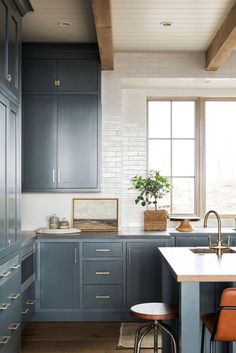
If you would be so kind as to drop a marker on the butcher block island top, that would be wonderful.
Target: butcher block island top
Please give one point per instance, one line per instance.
(187, 266)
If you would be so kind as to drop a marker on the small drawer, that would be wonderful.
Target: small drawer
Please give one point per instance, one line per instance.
(102, 272)
(10, 333)
(9, 269)
(9, 296)
(28, 302)
(102, 297)
(103, 249)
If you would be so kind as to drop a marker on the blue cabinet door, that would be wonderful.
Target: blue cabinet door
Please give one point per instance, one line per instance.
(3, 35)
(3, 120)
(59, 275)
(39, 142)
(143, 272)
(77, 142)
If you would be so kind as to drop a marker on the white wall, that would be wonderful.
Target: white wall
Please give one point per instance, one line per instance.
(124, 100)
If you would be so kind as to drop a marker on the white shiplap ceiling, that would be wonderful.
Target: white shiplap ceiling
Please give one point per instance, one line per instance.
(136, 24)
(42, 24)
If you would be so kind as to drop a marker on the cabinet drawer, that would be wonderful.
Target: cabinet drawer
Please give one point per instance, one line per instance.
(9, 269)
(102, 297)
(10, 333)
(28, 302)
(102, 272)
(9, 297)
(104, 249)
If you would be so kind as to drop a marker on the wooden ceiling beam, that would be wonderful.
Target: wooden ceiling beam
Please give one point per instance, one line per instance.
(103, 24)
(223, 43)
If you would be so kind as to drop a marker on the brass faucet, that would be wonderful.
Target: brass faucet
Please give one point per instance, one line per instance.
(219, 246)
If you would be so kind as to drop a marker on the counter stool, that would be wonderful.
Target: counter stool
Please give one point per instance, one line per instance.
(222, 324)
(156, 312)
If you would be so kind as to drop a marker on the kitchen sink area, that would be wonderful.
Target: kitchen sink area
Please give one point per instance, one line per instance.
(202, 251)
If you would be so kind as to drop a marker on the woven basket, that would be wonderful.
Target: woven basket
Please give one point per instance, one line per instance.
(155, 220)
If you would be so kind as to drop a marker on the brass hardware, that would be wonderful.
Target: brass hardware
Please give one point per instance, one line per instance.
(103, 297)
(5, 274)
(57, 83)
(76, 256)
(9, 78)
(15, 267)
(53, 176)
(4, 306)
(102, 273)
(31, 301)
(103, 250)
(59, 175)
(219, 246)
(129, 255)
(5, 339)
(14, 296)
(14, 326)
(25, 311)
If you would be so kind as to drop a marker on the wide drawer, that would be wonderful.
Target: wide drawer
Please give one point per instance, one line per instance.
(9, 297)
(103, 249)
(28, 302)
(102, 297)
(102, 272)
(9, 269)
(10, 333)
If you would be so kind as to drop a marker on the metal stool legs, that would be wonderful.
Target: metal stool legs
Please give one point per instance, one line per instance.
(143, 331)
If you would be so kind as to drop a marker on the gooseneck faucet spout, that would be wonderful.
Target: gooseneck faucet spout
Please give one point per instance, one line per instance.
(219, 246)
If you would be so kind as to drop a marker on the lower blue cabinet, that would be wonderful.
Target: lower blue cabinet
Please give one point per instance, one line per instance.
(28, 301)
(103, 296)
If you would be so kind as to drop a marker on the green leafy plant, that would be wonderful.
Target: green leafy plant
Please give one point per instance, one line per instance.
(151, 188)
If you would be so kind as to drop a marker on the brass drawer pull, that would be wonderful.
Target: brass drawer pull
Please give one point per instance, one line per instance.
(5, 339)
(14, 296)
(15, 267)
(31, 301)
(5, 274)
(25, 311)
(9, 78)
(14, 326)
(103, 250)
(103, 297)
(102, 273)
(4, 306)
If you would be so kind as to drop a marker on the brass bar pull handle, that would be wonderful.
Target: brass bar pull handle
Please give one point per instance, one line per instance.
(129, 255)
(31, 301)
(5, 274)
(4, 306)
(15, 267)
(25, 311)
(53, 176)
(59, 175)
(14, 296)
(5, 339)
(76, 256)
(103, 297)
(103, 273)
(103, 250)
(14, 326)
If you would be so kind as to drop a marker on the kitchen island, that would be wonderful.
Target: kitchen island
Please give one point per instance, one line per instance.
(189, 270)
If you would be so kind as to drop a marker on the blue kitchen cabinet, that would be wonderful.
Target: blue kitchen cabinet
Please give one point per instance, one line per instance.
(191, 240)
(3, 121)
(143, 272)
(58, 265)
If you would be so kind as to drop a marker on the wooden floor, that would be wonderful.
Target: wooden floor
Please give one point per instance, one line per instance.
(71, 337)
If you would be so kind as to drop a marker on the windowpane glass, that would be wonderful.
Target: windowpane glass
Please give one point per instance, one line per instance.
(159, 156)
(220, 156)
(183, 158)
(159, 119)
(183, 196)
(183, 119)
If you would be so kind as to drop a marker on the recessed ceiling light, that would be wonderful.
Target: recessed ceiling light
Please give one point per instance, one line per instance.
(166, 24)
(64, 24)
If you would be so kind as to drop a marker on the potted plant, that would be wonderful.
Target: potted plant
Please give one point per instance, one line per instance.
(151, 190)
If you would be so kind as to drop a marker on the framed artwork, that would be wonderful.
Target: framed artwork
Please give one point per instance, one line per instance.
(95, 214)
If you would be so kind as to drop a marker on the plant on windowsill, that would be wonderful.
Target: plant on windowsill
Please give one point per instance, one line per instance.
(152, 188)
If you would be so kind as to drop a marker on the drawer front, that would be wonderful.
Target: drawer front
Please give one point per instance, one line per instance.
(9, 269)
(104, 249)
(103, 297)
(102, 272)
(28, 302)
(9, 297)
(10, 330)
